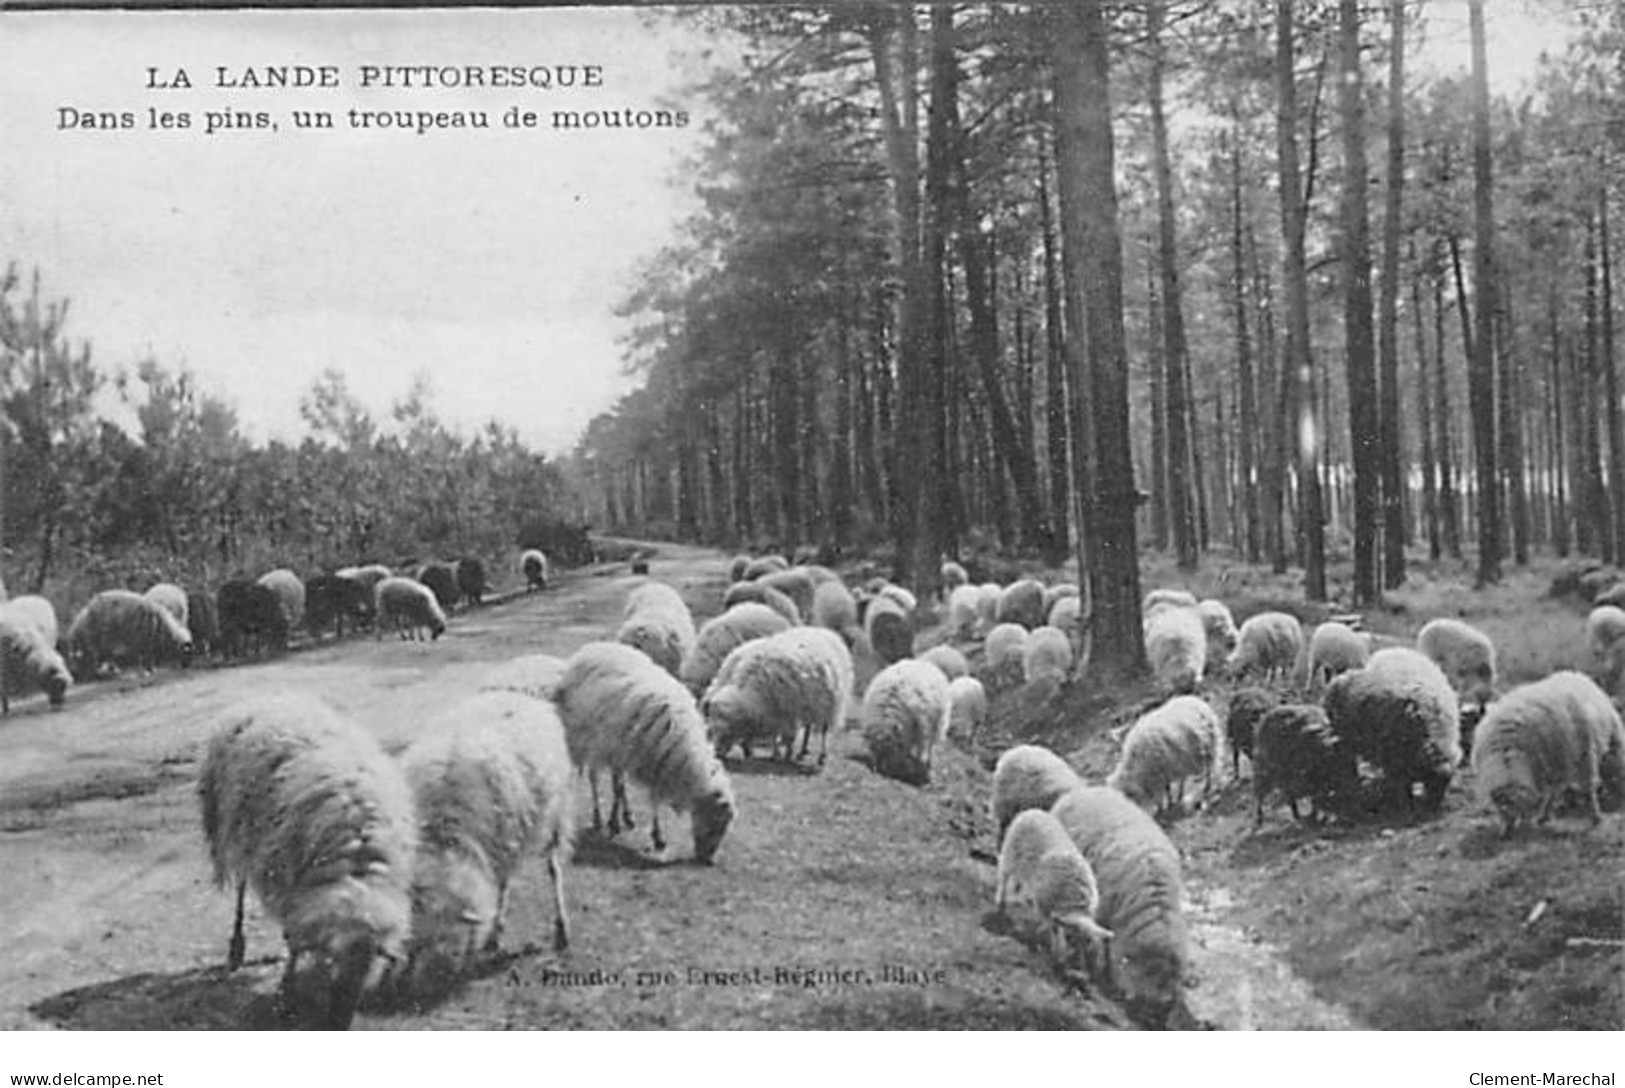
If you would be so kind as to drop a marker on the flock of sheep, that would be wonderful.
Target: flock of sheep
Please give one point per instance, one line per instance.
(169, 625)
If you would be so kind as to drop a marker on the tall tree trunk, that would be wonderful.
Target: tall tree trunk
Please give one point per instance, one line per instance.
(1246, 393)
(1616, 426)
(1093, 253)
(1161, 501)
(1424, 404)
(1559, 455)
(1055, 399)
(1511, 450)
(1390, 447)
(1596, 518)
(1482, 387)
(1177, 423)
(1449, 510)
(1298, 361)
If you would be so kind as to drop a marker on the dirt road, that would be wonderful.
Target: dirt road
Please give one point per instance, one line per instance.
(840, 899)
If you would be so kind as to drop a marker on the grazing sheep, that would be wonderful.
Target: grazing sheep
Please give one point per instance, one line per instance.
(1605, 637)
(967, 706)
(1464, 654)
(624, 714)
(889, 629)
(1162, 598)
(952, 575)
(1542, 739)
(796, 584)
(1220, 628)
(1175, 741)
(28, 663)
(441, 578)
(901, 597)
(736, 569)
(796, 681)
(369, 576)
(988, 596)
(1334, 649)
(1268, 646)
(763, 564)
(1399, 714)
(171, 597)
(202, 622)
(904, 716)
(834, 607)
(1002, 653)
(536, 675)
(330, 599)
(1048, 652)
(1247, 708)
(962, 610)
(1022, 602)
(721, 635)
(120, 627)
(471, 581)
(657, 622)
(1067, 614)
(31, 610)
(533, 565)
(290, 594)
(251, 618)
(1175, 647)
(1298, 755)
(818, 573)
(949, 660)
(756, 593)
(406, 605)
(1060, 591)
(1042, 870)
(491, 779)
(304, 805)
(1028, 777)
(1137, 871)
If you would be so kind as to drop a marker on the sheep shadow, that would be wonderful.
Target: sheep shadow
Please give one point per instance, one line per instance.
(427, 992)
(767, 767)
(596, 850)
(200, 999)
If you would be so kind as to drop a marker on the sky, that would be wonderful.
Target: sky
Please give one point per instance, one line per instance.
(492, 260)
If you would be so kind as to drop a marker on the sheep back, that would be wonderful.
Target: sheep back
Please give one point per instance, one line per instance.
(28, 663)
(949, 660)
(1175, 647)
(290, 593)
(1400, 714)
(721, 635)
(889, 629)
(657, 621)
(1177, 740)
(331, 599)
(471, 581)
(904, 716)
(32, 610)
(777, 686)
(1022, 602)
(796, 584)
(1334, 649)
(1297, 755)
(763, 565)
(1605, 638)
(407, 605)
(1464, 654)
(251, 617)
(1268, 646)
(1219, 626)
(967, 706)
(834, 607)
(1002, 653)
(756, 593)
(441, 578)
(1247, 708)
(1028, 777)
(1048, 652)
(170, 597)
(1043, 873)
(120, 627)
(533, 565)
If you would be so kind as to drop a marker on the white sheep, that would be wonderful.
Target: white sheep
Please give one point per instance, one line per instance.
(736, 569)
(624, 714)
(1042, 872)
(1160, 598)
(796, 681)
(290, 594)
(796, 584)
(1176, 741)
(534, 566)
(1028, 777)
(988, 596)
(33, 611)
(967, 706)
(1022, 602)
(834, 607)
(118, 626)
(1268, 645)
(1002, 654)
(1541, 739)
(1334, 649)
(962, 610)
(1047, 653)
(756, 593)
(491, 778)
(1464, 654)
(1058, 592)
(535, 675)
(172, 597)
(1605, 638)
(1137, 872)
(1220, 628)
(901, 597)
(818, 573)
(305, 806)
(657, 621)
(28, 663)
(1400, 715)
(720, 635)
(1175, 646)
(949, 660)
(905, 716)
(367, 576)
(1067, 614)
(764, 564)
(952, 575)
(889, 629)
(406, 605)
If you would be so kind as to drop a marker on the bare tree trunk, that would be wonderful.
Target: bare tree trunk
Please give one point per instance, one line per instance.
(1390, 447)
(1616, 426)
(1055, 398)
(1161, 501)
(1424, 403)
(1482, 387)
(1246, 392)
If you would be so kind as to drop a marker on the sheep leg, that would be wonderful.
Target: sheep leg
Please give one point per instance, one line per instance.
(494, 941)
(561, 922)
(597, 818)
(239, 944)
(655, 836)
(823, 744)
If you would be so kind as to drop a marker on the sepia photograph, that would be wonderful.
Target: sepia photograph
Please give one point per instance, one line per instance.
(856, 516)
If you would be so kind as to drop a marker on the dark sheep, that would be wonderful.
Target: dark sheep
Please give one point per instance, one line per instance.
(471, 580)
(251, 618)
(441, 578)
(1247, 708)
(330, 599)
(1298, 755)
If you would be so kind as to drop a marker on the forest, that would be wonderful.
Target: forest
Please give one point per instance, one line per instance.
(1084, 279)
